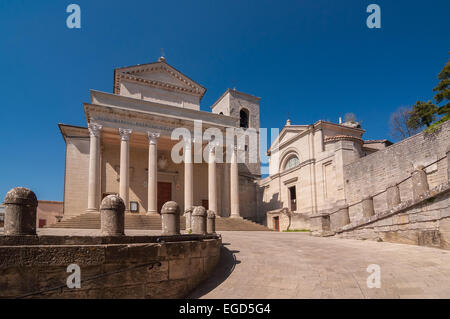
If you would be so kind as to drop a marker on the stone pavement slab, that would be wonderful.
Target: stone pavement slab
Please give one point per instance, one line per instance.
(296, 265)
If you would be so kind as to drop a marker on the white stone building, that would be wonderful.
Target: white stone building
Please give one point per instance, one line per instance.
(307, 171)
(126, 147)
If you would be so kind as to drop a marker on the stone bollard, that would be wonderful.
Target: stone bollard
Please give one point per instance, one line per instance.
(20, 212)
(170, 219)
(340, 218)
(419, 182)
(211, 222)
(392, 196)
(199, 221)
(367, 206)
(112, 216)
(320, 224)
(188, 217)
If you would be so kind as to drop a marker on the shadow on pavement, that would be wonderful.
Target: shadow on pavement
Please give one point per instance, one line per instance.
(223, 270)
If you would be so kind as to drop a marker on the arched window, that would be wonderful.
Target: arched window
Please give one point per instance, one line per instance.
(292, 162)
(243, 114)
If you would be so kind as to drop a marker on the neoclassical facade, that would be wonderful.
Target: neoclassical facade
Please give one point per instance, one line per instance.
(307, 171)
(126, 147)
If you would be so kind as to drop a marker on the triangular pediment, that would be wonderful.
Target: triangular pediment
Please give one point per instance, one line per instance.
(157, 74)
(286, 134)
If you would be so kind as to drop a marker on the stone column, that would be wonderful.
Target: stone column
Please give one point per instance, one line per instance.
(392, 196)
(234, 185)
(419, 182)
(212, 178)
(20, 212)
(152, 174)
(188, 176)
(125, 167)
(94, 167)
(367, 206)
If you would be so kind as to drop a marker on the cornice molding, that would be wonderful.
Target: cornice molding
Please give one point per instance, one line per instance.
(343, 138)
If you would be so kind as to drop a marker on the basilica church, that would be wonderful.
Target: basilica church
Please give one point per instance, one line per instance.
(125, 149)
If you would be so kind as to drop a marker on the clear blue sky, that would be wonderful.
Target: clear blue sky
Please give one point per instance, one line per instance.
(312, 59)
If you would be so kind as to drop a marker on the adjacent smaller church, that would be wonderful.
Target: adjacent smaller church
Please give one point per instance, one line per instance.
(307, 170)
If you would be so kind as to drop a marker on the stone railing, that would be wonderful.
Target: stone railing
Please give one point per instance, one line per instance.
(111, 265)
(340, 219)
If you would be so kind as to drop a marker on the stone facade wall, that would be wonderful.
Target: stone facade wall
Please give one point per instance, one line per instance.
(76, 178)
(288, 220)
(319, 178)
(121, 270)
(47, 211)
(373, 174)
(157, 95)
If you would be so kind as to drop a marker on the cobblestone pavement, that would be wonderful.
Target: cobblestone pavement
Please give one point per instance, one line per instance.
(296, 265)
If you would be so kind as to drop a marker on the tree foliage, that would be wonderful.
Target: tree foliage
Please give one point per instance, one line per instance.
(425, 113)
(443, 90)
(422, 114)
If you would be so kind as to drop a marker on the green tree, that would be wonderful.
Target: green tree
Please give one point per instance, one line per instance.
(423, 113)
(443, 90)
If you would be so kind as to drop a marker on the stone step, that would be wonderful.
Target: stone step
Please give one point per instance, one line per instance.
(144, 222)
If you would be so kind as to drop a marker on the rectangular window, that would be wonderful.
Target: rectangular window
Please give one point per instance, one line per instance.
(293, 198)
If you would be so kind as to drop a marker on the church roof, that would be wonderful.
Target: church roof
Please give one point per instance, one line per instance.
(179, 81)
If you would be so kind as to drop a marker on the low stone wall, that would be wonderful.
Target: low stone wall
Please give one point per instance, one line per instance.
(424, 220)
(287, 220)
(111, 267)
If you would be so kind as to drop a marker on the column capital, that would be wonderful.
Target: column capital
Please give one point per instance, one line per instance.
(125, 134)
(153, 137)
(94, 129)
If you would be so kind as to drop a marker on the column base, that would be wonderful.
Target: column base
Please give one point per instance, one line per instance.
(236, 217)
(92, 210)
(154, 213)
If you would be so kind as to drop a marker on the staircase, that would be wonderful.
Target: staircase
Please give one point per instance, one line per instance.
(144, 222)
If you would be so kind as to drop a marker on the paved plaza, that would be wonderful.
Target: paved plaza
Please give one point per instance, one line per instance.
(297, 265)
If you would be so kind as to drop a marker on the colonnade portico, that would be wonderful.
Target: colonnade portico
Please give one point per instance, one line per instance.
(124, 177)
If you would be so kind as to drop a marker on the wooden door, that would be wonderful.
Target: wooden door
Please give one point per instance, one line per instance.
(276, 223)
(164, 194)
(42, 223)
